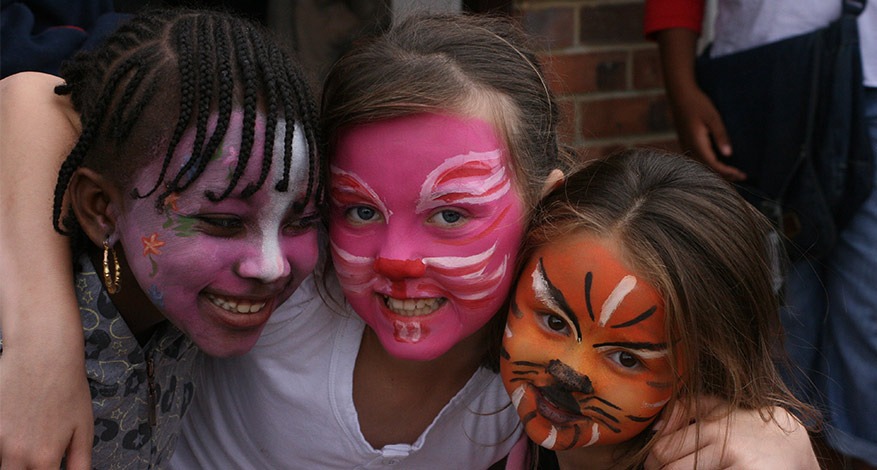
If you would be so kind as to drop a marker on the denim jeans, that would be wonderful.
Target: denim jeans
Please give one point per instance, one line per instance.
(831, 326)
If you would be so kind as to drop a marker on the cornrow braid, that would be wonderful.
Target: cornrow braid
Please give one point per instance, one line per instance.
(164, 73)
(271, 124)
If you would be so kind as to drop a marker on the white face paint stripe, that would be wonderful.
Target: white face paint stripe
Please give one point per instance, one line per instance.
(659, 404)
(271, 263)
(595, 435)
(430, 194)
(298, 172)
(408, 331)
(517, 395)
(540, 288)
(551, 440)
(381, 207)
(454, 262)
(508, 332)
(616, 297)
(349, 257)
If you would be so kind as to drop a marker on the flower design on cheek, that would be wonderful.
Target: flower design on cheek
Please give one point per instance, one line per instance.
(181, 225)
(171, 202)
(151, 245)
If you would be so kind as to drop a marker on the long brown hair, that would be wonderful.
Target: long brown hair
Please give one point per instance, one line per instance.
(709, 254)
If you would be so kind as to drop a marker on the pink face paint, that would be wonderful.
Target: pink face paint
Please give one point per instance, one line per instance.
(217, 270)
(424, 227)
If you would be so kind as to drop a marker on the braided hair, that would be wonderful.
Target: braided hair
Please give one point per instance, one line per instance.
(167, 71)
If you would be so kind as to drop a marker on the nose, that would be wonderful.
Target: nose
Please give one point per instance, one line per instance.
(398, 269)
(569, 378)
(265, 263)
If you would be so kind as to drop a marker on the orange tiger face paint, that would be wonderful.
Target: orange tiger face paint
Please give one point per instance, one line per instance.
(585, 353)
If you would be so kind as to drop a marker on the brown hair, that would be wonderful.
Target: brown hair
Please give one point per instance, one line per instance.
(707, 252)
(462, 64)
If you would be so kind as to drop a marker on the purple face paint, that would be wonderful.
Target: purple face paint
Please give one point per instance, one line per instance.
(217, 270)
(425, 224)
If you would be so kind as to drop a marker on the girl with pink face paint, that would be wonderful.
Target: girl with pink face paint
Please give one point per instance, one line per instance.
(192, 202)
(603, 333)
(442, 135)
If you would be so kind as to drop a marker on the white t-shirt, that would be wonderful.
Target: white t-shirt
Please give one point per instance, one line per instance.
(289, 404)
(743, 24)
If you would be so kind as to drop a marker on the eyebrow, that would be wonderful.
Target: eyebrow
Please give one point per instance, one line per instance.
(553, 298)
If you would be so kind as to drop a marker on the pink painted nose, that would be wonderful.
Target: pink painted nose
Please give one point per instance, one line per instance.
(396, 269)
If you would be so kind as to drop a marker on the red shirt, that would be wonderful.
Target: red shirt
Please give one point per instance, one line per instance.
(666, 14)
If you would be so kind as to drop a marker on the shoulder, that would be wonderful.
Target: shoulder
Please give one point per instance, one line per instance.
(29, 107)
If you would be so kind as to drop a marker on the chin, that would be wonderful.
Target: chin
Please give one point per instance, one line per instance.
(424, 350)
(231, 346)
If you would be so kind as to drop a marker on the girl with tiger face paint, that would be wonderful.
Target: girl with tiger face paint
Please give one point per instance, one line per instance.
(587, 358)
(645, 284)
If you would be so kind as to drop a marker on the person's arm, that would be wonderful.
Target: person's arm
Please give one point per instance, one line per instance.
(697, 121)
(739, 439)
(45, 404)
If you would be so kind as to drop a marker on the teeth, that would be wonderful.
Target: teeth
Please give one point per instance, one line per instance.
(236, 306)
(413, 307)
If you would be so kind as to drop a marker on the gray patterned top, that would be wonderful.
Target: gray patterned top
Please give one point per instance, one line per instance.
(120, 375)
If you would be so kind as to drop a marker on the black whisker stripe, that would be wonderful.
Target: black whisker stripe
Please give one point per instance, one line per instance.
(642, 419)
(576, 433)
(516, 311)
(601, 400)
(659, 385)
(528, 417)
(589, 282)
(558, 297)
(503, 353)
(603, 413)
(608, 425)
(638, 319)
(524, 372)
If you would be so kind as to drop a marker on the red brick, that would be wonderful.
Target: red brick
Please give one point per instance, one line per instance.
(611, 24)
(586, 72)
(553, 27)
(647, 70)
(625, 116)
(566, 130)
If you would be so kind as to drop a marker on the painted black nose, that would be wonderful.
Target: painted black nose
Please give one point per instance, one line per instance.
(571, 380)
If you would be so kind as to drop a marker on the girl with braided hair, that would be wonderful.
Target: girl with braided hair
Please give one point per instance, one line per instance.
(442, 136)
(191, 185)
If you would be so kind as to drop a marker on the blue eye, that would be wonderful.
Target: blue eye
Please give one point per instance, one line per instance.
(447, 217)
(362, 214)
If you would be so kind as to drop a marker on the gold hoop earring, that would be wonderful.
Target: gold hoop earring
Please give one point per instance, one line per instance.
(112, 282)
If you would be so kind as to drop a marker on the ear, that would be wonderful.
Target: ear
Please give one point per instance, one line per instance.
(555, 178)
(96, 202)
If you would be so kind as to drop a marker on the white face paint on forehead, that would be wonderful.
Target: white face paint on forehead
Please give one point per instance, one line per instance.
(218, 269)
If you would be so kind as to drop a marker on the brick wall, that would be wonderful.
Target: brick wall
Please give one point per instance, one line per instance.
(605, 75)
